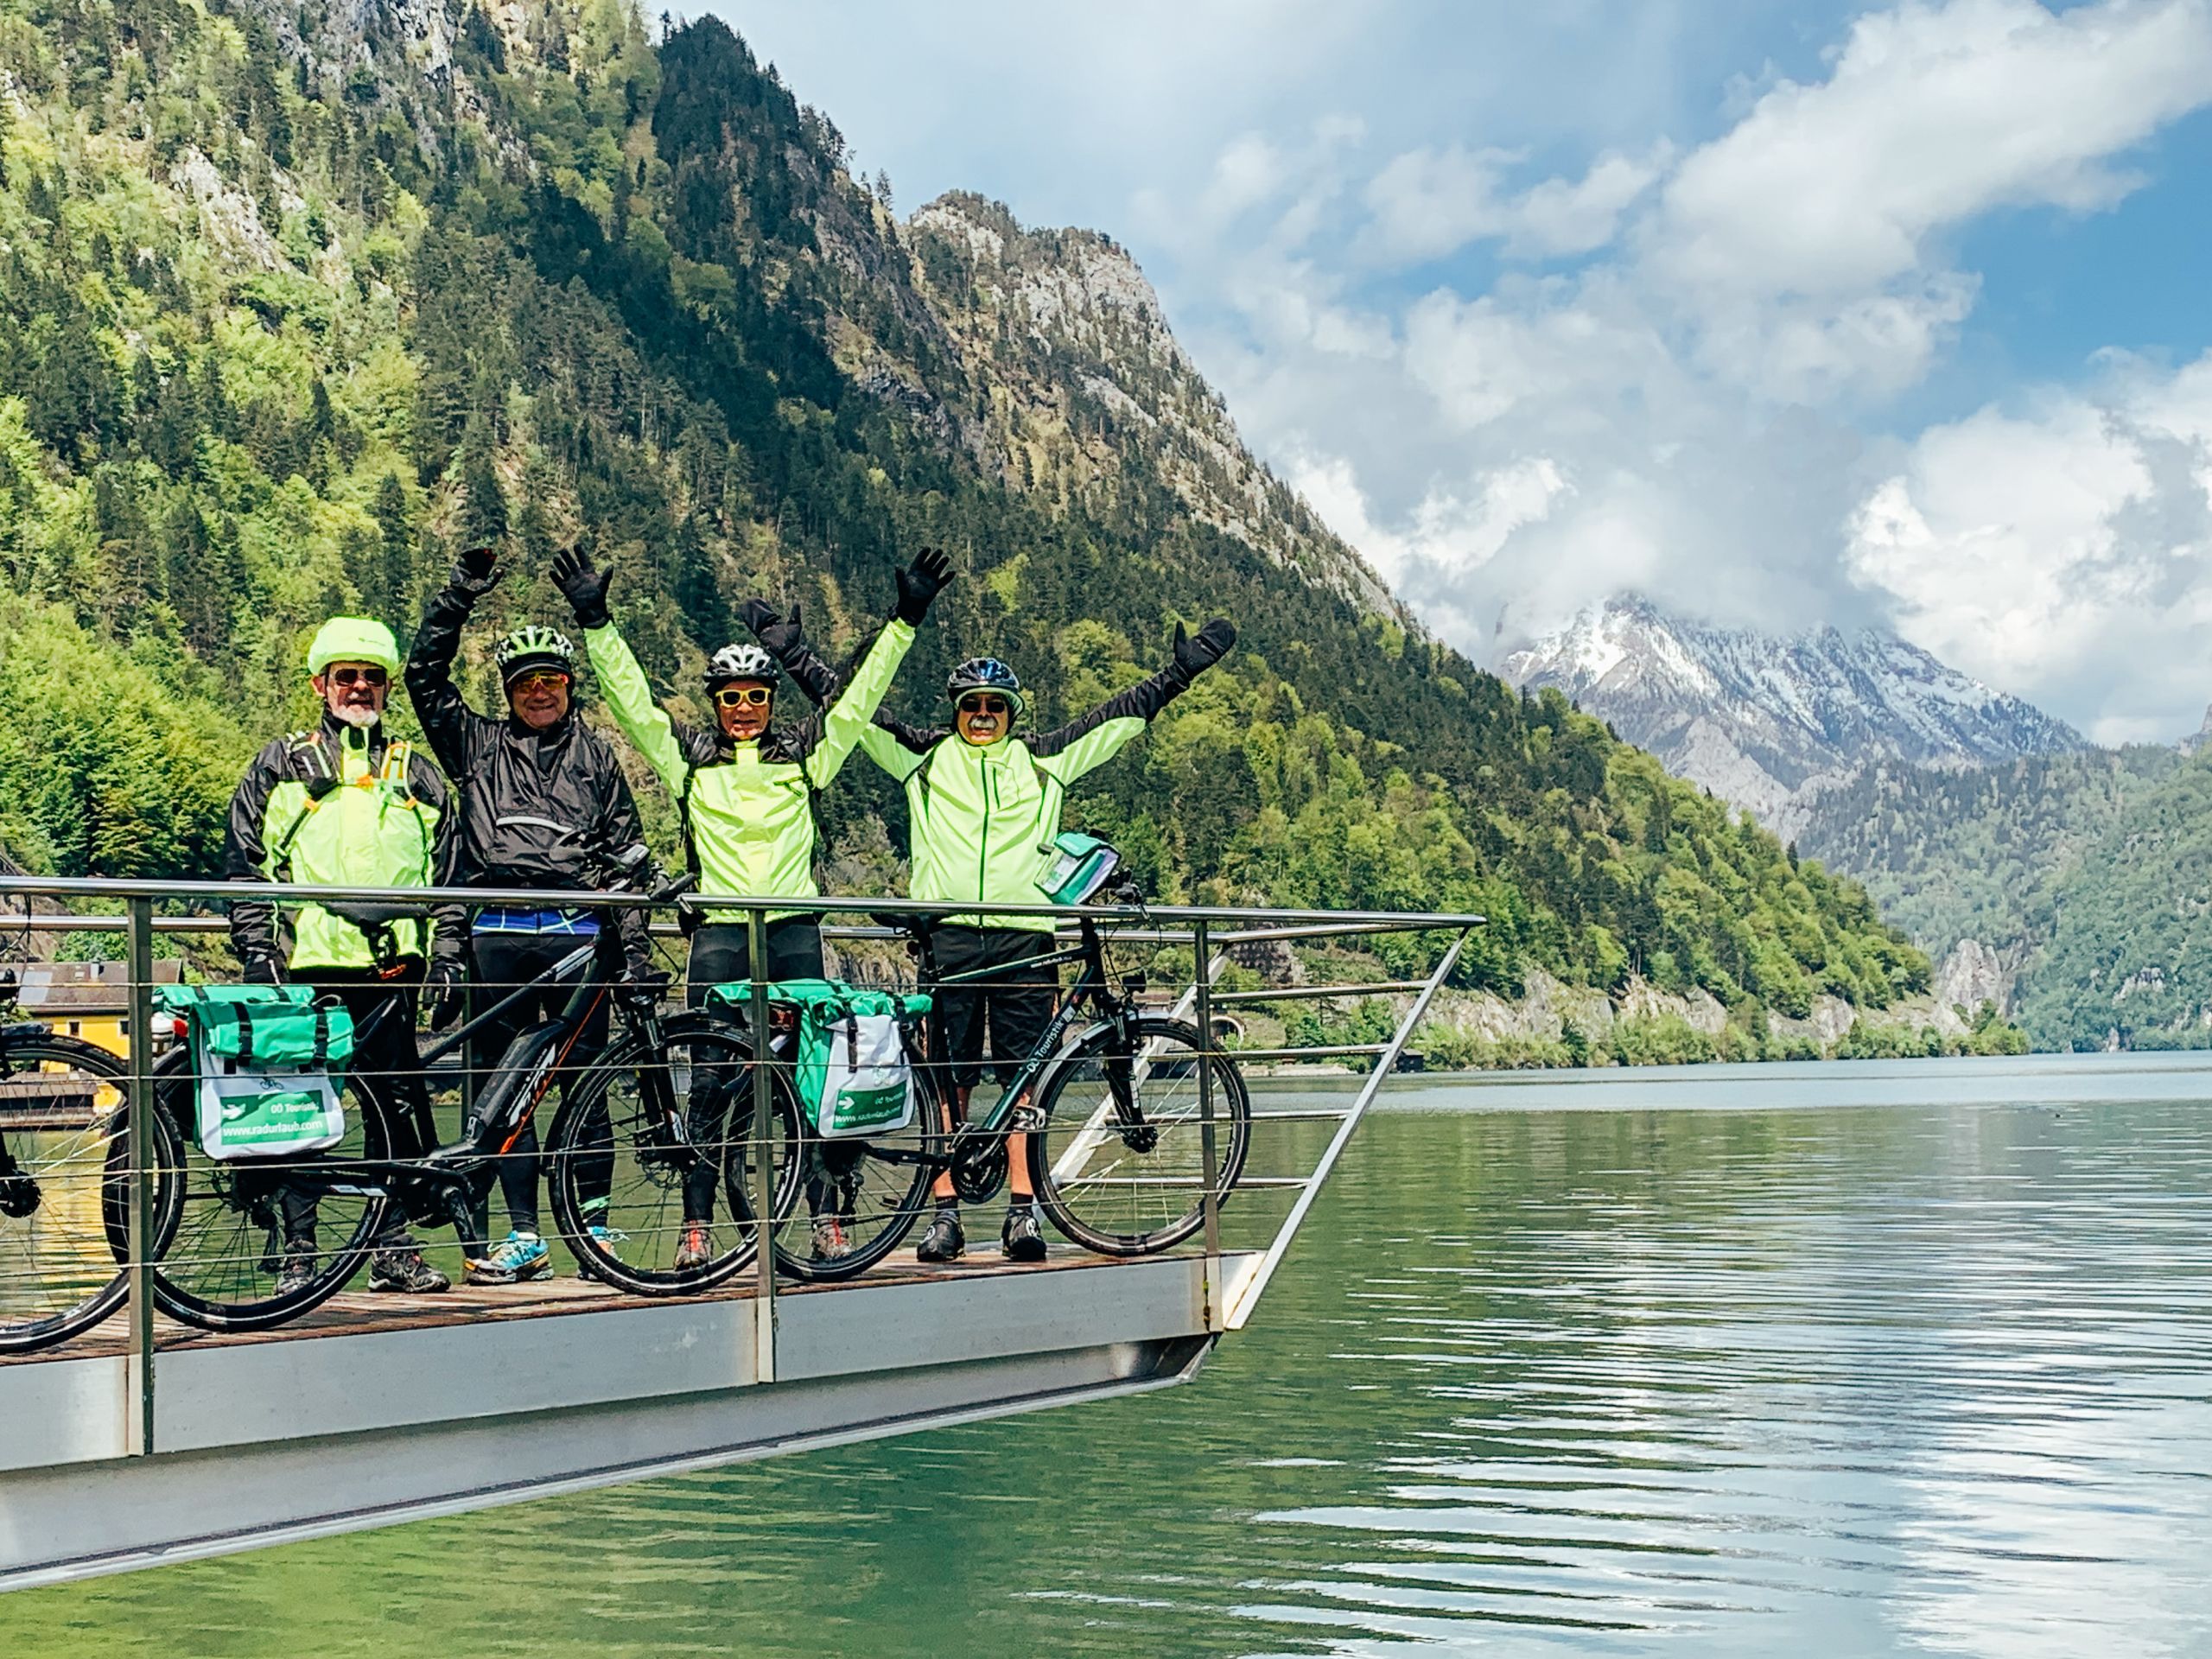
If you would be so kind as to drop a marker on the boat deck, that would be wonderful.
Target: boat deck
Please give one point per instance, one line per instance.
(379, 1408)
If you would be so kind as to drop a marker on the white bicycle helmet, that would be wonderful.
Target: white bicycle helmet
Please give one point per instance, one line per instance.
(533, 647)
(740, 663)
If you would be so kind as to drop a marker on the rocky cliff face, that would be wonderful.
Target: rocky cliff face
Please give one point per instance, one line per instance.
(1757, 718)
(1086, 393)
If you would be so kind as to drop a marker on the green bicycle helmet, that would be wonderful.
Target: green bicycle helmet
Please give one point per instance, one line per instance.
(530, 647)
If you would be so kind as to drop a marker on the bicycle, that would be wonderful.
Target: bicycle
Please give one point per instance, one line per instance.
(621, 1149)
(1111, 1109)
(64, 1227)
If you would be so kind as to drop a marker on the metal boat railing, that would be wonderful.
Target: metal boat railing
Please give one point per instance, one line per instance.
(143, 912)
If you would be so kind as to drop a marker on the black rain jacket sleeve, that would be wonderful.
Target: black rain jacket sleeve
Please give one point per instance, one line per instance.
(1142, 700)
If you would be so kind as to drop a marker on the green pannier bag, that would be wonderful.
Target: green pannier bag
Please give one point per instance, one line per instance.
(270, 1058)
(856, 1048)
(1081, 865)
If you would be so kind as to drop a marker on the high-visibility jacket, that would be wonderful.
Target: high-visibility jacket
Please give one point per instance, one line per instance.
(748, 808)
(983, 816)
(336, 806)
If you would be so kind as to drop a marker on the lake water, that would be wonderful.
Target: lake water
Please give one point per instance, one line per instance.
(1818, 1361)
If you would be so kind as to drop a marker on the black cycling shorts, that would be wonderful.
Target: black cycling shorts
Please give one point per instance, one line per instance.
(1011, 1005)
(721, 953)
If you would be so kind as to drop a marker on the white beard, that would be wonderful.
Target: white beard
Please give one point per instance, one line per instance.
(359, 718)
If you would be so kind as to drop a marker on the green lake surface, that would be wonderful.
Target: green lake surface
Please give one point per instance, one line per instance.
(1782, 1360)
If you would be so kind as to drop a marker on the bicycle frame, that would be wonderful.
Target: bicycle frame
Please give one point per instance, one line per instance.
(1091, 986)
(527, 1069)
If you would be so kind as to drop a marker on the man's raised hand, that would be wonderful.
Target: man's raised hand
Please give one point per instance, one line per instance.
(1194, 656)
(779, 635)
(584, 588)
(920, 582)
(475, 570)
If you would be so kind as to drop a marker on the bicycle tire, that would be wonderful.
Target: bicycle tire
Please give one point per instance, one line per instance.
(603, 1107)
(201, 1267)
(53, 1160)
(1098, 1197)
(900, 1200)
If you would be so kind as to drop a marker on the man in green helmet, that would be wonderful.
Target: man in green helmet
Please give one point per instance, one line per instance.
(984, 806)
(746, 787)
(346, 804)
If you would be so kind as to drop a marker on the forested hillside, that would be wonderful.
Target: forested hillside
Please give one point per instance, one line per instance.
(1954, 853)
(302, 300)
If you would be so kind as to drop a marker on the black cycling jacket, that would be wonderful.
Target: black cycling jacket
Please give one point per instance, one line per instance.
(537, 808)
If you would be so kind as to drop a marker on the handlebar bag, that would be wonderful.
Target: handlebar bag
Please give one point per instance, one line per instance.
(1081, 865)
(270, 1058)
(854, 1076)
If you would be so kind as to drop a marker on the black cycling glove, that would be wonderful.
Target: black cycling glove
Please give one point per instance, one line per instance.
(920, 582)
(584, 588)
(475, 570)
(779, 635)
(1194, 656)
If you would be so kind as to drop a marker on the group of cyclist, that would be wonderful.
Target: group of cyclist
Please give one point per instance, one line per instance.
(532, 797)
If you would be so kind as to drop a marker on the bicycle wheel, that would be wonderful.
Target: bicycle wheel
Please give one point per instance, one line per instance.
(624, 1186)
(223, 1246)
(862, 1199)
(1120, 1163)
(62, 1110)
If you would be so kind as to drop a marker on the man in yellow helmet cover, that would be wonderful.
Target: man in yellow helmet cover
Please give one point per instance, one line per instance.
(346, 804)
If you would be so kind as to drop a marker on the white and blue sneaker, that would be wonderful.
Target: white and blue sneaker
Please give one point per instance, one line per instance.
(517, 1257)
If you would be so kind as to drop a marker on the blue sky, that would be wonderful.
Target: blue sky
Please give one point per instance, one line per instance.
(1780, 313)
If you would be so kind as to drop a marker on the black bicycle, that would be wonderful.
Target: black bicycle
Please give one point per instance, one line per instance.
(1110, 1100)
(64, 1232)
(639, 1124)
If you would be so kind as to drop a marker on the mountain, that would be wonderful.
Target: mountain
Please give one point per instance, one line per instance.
(1755, 717)
(1972, 861)
(2124, 956)
(305, 297)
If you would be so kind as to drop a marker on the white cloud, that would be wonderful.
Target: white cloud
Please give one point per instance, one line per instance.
(1428, 202)
(2073, 543)
(1931, 116)
(1690, 393)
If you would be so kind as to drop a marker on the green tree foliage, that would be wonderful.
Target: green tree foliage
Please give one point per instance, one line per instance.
(2127, 957)
(1953, 853)
(288, 341)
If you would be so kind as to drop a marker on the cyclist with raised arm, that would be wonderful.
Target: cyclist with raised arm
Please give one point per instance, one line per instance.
(348, 805)
(746, 788)
(983, 806)
(544, 804)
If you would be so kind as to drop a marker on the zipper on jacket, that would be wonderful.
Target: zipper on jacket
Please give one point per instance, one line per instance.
(984, 842)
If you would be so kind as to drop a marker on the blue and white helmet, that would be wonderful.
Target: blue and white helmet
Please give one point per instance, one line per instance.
(985, 674)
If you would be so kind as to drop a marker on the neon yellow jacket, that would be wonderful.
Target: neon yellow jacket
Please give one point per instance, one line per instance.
(748, 808)
(983, 818)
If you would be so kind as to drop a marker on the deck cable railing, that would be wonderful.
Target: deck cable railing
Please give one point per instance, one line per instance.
(660, 1131)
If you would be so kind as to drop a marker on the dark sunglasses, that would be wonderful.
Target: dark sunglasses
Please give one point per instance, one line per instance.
(983, 704)
(744, 697)
(358, 677)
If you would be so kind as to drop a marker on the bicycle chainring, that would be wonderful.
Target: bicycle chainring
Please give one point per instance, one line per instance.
(978, 1167)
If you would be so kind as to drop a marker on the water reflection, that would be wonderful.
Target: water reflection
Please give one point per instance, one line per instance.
(1912, 1377)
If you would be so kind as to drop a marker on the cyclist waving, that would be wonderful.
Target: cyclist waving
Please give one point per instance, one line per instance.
(544, 804)
(745, 786)
(984, 806)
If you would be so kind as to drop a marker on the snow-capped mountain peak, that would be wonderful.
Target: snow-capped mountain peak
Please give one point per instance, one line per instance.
(1755, 716)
